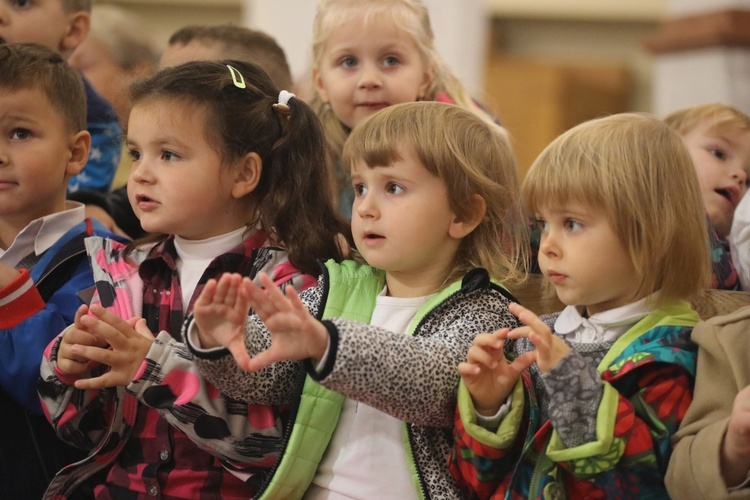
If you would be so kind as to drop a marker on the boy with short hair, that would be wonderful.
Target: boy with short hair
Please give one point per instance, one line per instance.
(717, 137)
(62, 25)
(43, 265)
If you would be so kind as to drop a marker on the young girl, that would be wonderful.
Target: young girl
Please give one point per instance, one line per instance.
(223, 174)
(436, 219)
(624, 242)
(368, 55)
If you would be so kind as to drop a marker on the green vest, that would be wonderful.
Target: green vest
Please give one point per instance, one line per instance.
(352, 289)
(352, 292)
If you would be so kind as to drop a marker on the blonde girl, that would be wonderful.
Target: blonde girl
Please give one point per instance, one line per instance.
(371, 54)
(437, 221)
(229, 175)
(624, 243)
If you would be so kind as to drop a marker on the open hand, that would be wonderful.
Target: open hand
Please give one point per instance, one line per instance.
(129, 342)
(76, 334)
(550, 349)
(295, 334)
(487, 374)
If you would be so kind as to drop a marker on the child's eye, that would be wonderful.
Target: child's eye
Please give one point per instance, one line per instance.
(573, 225)
(360, 189)
(167, 155)
(134, 154)
(391, 61)
(348, 62)
(394, 188)
(21, 3)
(718, 153)
(541, 224)
(20, 134)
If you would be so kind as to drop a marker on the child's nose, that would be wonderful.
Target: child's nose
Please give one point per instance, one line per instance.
(370, 77)
(367, 207)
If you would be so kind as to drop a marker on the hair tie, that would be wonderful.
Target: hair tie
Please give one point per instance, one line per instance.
(282, 106)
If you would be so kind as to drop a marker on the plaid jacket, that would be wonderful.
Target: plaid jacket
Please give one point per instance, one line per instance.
(244, 437)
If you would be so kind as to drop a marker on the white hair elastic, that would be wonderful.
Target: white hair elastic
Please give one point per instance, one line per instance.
(283, 104)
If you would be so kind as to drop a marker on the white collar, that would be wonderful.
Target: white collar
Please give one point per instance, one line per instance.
(42, 233)
(604, 326)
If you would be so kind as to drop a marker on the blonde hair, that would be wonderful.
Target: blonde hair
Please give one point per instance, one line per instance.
(720, 117)
(410, 16)
(472, 159)
(634, 169)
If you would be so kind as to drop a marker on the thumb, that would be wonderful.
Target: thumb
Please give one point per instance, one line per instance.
(140, 327)
(239, 353)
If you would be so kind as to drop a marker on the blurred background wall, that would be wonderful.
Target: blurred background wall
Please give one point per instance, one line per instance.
(541, 66)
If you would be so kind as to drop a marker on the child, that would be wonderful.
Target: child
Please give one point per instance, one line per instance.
(43, 142)
(62, 25)
(436, 217)
(624, 243)
(717, 137)
(224, 173)
(371, 54)
(710, 457)
(194, 43)
(118, 49)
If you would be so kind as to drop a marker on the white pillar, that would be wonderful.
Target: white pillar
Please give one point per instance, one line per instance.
(714, 70)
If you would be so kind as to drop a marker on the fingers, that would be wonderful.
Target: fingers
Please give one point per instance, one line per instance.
(206, 296)
(239, 353)
(101, 382)
(529, 318)
(141, 327)
(523, 361)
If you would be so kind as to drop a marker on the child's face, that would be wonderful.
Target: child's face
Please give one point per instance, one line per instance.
(402, 223)
(367, 67)
(722, 160)
(35, 148)
(582, 256)
(177, 182)
(38, 21)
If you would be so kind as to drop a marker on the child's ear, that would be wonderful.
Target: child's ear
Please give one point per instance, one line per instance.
(80, 145)
(427, 78)
(463, 226)
(77, 30)
(319, 88)
(248, 175)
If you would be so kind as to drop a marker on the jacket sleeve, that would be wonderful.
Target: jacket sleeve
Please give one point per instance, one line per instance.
(79, 417)
(234, 429)
(28, 324)
(694, 468)
(481, 459)
(412, 378)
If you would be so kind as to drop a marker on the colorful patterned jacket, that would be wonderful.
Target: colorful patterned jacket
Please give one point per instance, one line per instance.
(102, 420)
(647, 381)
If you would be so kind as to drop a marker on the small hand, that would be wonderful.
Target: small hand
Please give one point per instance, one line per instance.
(295, 334)
(76, 334)
(487, 374)
(129, 342)
(220, 314)
(550, 348)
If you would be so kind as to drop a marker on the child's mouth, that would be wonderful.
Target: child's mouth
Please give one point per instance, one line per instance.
(726, 193)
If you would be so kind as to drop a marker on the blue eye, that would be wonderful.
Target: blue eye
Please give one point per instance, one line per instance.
(391, 61)
(348, 62)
